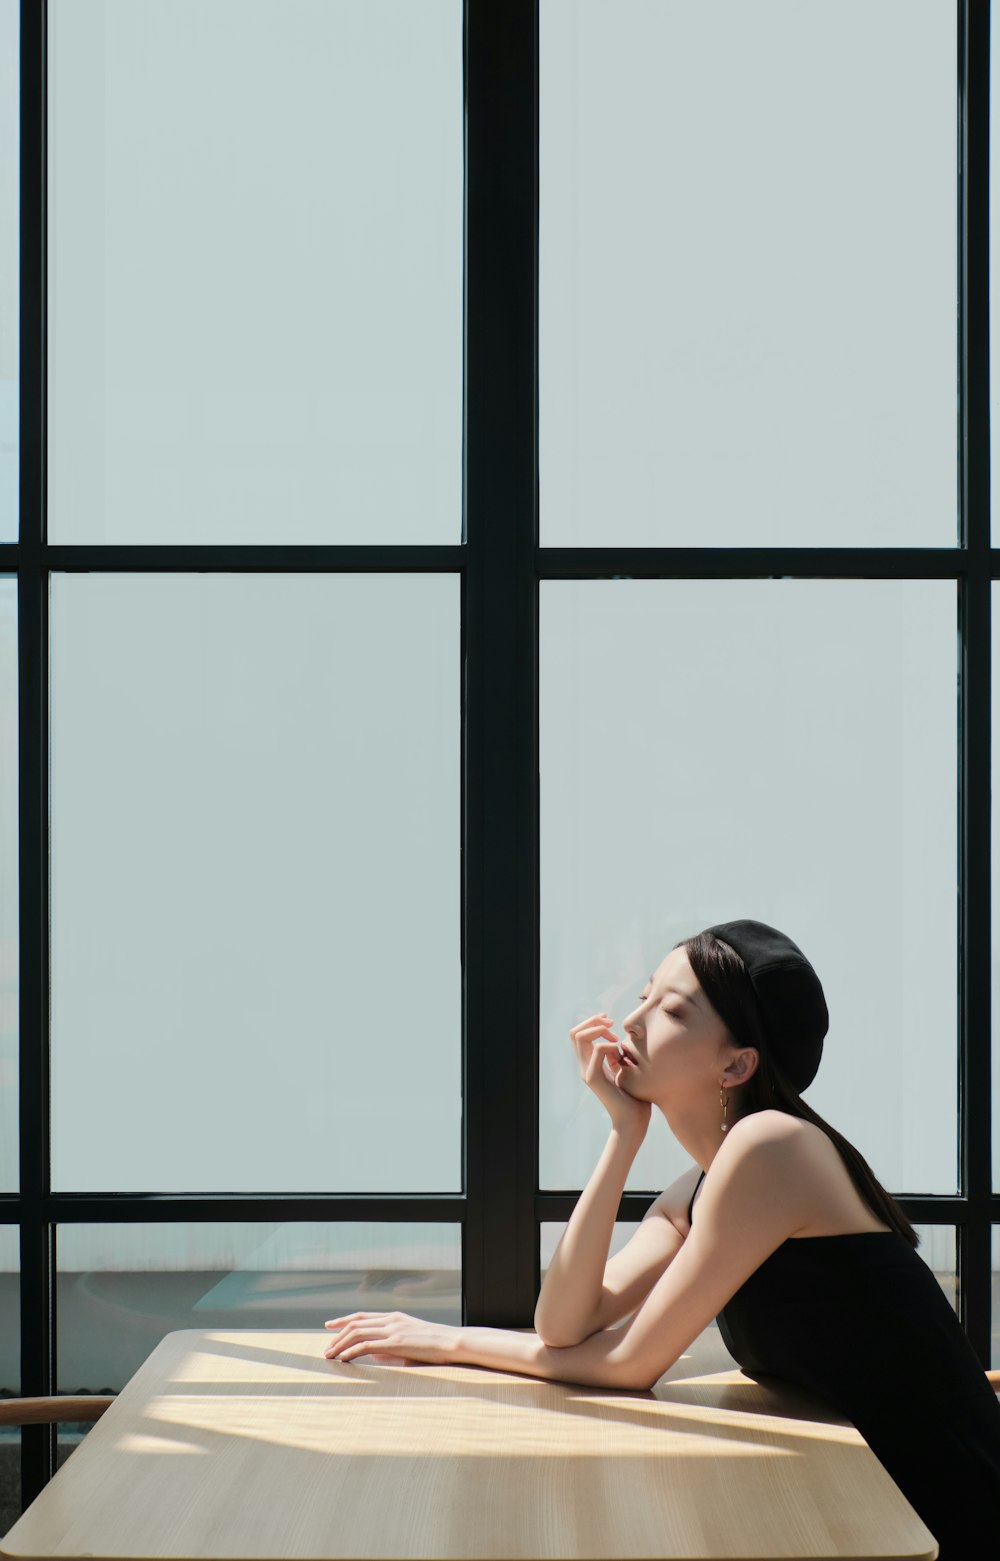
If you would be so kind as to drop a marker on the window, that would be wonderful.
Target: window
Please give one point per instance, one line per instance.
(371, 462)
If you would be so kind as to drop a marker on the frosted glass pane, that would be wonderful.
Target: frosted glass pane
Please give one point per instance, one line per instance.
(551, 1231)
(995, 1284)
(10, 1374)
(10, 262)
(995, 875)
(255, 329)
(748, 273)
(9, 890)
(121, 1288)
(10, 1312)
(779, 749)
(994, 273)
(256, 974)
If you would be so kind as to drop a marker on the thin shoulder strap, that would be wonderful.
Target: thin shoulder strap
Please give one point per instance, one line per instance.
(691, 1204)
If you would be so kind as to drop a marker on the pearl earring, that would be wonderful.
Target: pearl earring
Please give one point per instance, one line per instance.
(724, 1102)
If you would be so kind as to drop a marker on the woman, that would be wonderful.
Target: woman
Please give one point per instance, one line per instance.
(780, 1229)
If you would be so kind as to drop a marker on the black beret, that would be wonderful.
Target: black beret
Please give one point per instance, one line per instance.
(789, 996)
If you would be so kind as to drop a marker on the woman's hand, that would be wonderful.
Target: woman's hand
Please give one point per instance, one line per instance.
(593, 1049)
(390, 1338)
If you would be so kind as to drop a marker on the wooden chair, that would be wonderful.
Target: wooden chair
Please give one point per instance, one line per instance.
(46, 1411)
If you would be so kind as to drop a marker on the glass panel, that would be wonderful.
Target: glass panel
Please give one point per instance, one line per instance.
(256, 316)
(995, 871)
(256, 956)
(994, 275)
(550, 1235)
(10, 1373)
(995, 1296)
(10, 263)
(779, 749)
(121, 1288)
(742, 339)
(9, 889)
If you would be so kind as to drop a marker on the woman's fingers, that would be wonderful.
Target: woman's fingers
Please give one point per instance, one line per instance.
(357, 1340)
(609, 1070)
(602, 1042)
(346, 1354)
(599, 1050)
(592, 1033)
(603, 1070)
(595, 1019)
(601, 1055)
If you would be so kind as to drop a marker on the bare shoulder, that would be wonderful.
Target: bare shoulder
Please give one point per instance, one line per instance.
(771, 1127)
(755, 1193)
(801, 1169)
(801, 1143)
(768, 1144)
(673, 1201)
(762, 1128)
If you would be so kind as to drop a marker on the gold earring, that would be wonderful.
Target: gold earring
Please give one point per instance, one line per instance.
(724, 1102)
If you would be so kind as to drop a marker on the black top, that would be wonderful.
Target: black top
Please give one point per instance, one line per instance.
(861, 1321)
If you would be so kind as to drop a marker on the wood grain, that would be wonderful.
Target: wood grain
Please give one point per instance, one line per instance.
(249, 1443)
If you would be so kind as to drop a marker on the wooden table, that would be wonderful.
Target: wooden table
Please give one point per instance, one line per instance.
(249, 1443)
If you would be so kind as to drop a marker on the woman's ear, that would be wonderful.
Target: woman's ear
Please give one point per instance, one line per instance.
(743, 1065)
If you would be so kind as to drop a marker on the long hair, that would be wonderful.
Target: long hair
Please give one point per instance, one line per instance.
(723, 978)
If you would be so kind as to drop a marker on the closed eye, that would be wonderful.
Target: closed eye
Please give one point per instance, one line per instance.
(671, 1011)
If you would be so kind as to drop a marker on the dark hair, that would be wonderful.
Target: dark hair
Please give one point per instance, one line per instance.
(723, 977)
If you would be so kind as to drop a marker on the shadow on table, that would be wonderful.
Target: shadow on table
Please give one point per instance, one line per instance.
(686, 1398)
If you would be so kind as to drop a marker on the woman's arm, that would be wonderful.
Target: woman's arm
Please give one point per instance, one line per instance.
(755, 1197)
(572, 1288)
(596, 1362)
(396, 1337)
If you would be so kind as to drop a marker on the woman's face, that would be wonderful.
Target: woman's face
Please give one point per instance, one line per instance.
(678, 1037)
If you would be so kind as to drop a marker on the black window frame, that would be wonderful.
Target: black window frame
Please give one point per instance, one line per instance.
(500, 564)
